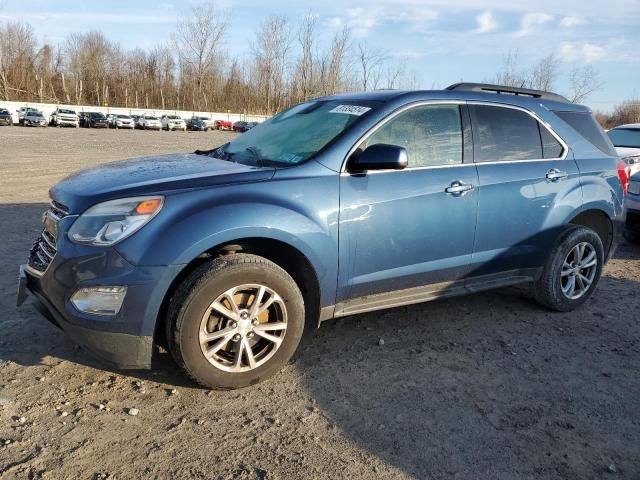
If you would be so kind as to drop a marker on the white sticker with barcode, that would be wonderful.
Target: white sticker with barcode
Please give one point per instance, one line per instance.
(350, 110)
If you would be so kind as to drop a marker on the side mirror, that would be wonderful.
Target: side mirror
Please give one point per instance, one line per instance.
(379, 157)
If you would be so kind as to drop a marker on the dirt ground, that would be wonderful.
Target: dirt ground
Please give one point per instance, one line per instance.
(489, 386)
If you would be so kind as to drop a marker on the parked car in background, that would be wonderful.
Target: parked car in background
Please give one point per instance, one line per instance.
(222, 125)
(122, 121)
(250, 125)
(339, 206)
(173, 122)
(62, 117)
(240, 127)
(5, 117)
(95, 120)
(136, 121)
(149, 122)
(632, 206)
(626, 139)
(22, 111)
(34, 119)
(196, 124)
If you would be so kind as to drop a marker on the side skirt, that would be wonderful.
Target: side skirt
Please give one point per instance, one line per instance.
(426, 293)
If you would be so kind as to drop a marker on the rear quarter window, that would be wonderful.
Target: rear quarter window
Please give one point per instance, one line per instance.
(588, 127)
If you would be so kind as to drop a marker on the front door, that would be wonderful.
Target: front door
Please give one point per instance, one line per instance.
(406, 235)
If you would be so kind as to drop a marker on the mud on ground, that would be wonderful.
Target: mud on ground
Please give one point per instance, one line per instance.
(489, 386)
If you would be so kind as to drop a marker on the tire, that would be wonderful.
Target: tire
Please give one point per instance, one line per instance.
(190, 316)
(553, 288)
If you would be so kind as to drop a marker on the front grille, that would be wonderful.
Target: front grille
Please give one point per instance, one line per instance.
(44, 248)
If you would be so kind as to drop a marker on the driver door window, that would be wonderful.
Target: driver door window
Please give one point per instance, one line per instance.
(431, 134)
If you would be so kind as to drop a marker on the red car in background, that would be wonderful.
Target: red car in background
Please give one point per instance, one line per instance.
(223, 125)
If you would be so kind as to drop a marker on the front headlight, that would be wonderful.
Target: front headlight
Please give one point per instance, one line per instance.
(110, 222)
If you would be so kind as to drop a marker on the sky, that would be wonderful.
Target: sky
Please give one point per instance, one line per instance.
(442, 41)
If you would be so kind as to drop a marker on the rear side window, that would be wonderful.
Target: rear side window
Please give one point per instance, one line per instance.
(504, 134)
(586, 125)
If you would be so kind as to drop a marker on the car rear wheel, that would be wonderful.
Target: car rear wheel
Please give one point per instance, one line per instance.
(235, 321)
(572, 271)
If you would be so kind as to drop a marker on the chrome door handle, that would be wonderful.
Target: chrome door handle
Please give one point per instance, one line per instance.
(458, 188)
(554, 175)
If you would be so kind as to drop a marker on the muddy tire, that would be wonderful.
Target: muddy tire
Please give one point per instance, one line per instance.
(235, 321)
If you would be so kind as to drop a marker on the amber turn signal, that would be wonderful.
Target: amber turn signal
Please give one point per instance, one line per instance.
(148, 206)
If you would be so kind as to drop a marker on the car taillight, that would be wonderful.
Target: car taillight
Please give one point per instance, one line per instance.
(623, 173)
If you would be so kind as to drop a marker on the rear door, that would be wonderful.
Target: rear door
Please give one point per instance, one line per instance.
(529, 184)
(401, 229)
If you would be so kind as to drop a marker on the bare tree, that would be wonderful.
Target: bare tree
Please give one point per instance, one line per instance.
(305, 69)
(584, 81)
(370, 62)
(510, 74)
(198, 39)
(544, 74)
(271, 51)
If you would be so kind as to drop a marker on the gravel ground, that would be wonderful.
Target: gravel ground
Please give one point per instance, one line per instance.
(489, 386)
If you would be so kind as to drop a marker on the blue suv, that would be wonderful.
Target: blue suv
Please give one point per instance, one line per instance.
(338, 206)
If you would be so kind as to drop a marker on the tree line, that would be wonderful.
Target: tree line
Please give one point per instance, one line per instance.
(287, 64)
(193, 71)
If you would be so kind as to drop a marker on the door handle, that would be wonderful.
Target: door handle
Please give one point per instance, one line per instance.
(554, 175)
(458, 188)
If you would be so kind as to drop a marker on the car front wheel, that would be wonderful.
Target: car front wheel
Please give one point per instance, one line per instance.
(572, 271)
(235, 321)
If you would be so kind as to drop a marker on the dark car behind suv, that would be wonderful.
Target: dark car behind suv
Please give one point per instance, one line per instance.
(95, 120)
(338, 206)
(5, 117)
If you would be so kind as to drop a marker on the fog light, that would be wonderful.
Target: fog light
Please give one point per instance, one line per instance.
(99, 300)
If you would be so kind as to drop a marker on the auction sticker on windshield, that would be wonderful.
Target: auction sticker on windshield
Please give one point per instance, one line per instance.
(350, 110)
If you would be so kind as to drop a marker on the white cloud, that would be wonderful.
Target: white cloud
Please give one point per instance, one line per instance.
(361, 21)
(570, 21)
(582, 52)
(531, 21)
(486, 22)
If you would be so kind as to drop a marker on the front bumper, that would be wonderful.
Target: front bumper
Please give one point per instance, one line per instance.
(68, 122)
(6, 121)
(124, 340)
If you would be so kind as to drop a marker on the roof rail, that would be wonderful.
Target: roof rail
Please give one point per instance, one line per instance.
(502, 89)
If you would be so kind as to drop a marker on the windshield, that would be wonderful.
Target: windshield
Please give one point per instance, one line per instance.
(98, 115)
(150, 118)
(173, 117)
(297, 134)
(123, 116)
(4, 111)
(64, 110)
(625, 137)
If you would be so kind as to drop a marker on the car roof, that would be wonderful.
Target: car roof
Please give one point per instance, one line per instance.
(408, 96)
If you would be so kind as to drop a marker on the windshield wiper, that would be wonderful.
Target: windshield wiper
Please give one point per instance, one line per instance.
(256, 153)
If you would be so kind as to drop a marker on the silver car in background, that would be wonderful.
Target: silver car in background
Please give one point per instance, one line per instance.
(626, 139)
(173, 122)
(122, 121)
(62, 117)
(149, 122)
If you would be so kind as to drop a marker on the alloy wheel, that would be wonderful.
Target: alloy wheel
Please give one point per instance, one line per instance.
(243, 328)
(578, 270)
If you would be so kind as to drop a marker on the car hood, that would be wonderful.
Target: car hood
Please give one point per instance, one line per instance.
(151, 175)
(627, 151)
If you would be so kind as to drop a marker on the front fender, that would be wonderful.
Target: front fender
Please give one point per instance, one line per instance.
(301, 212)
